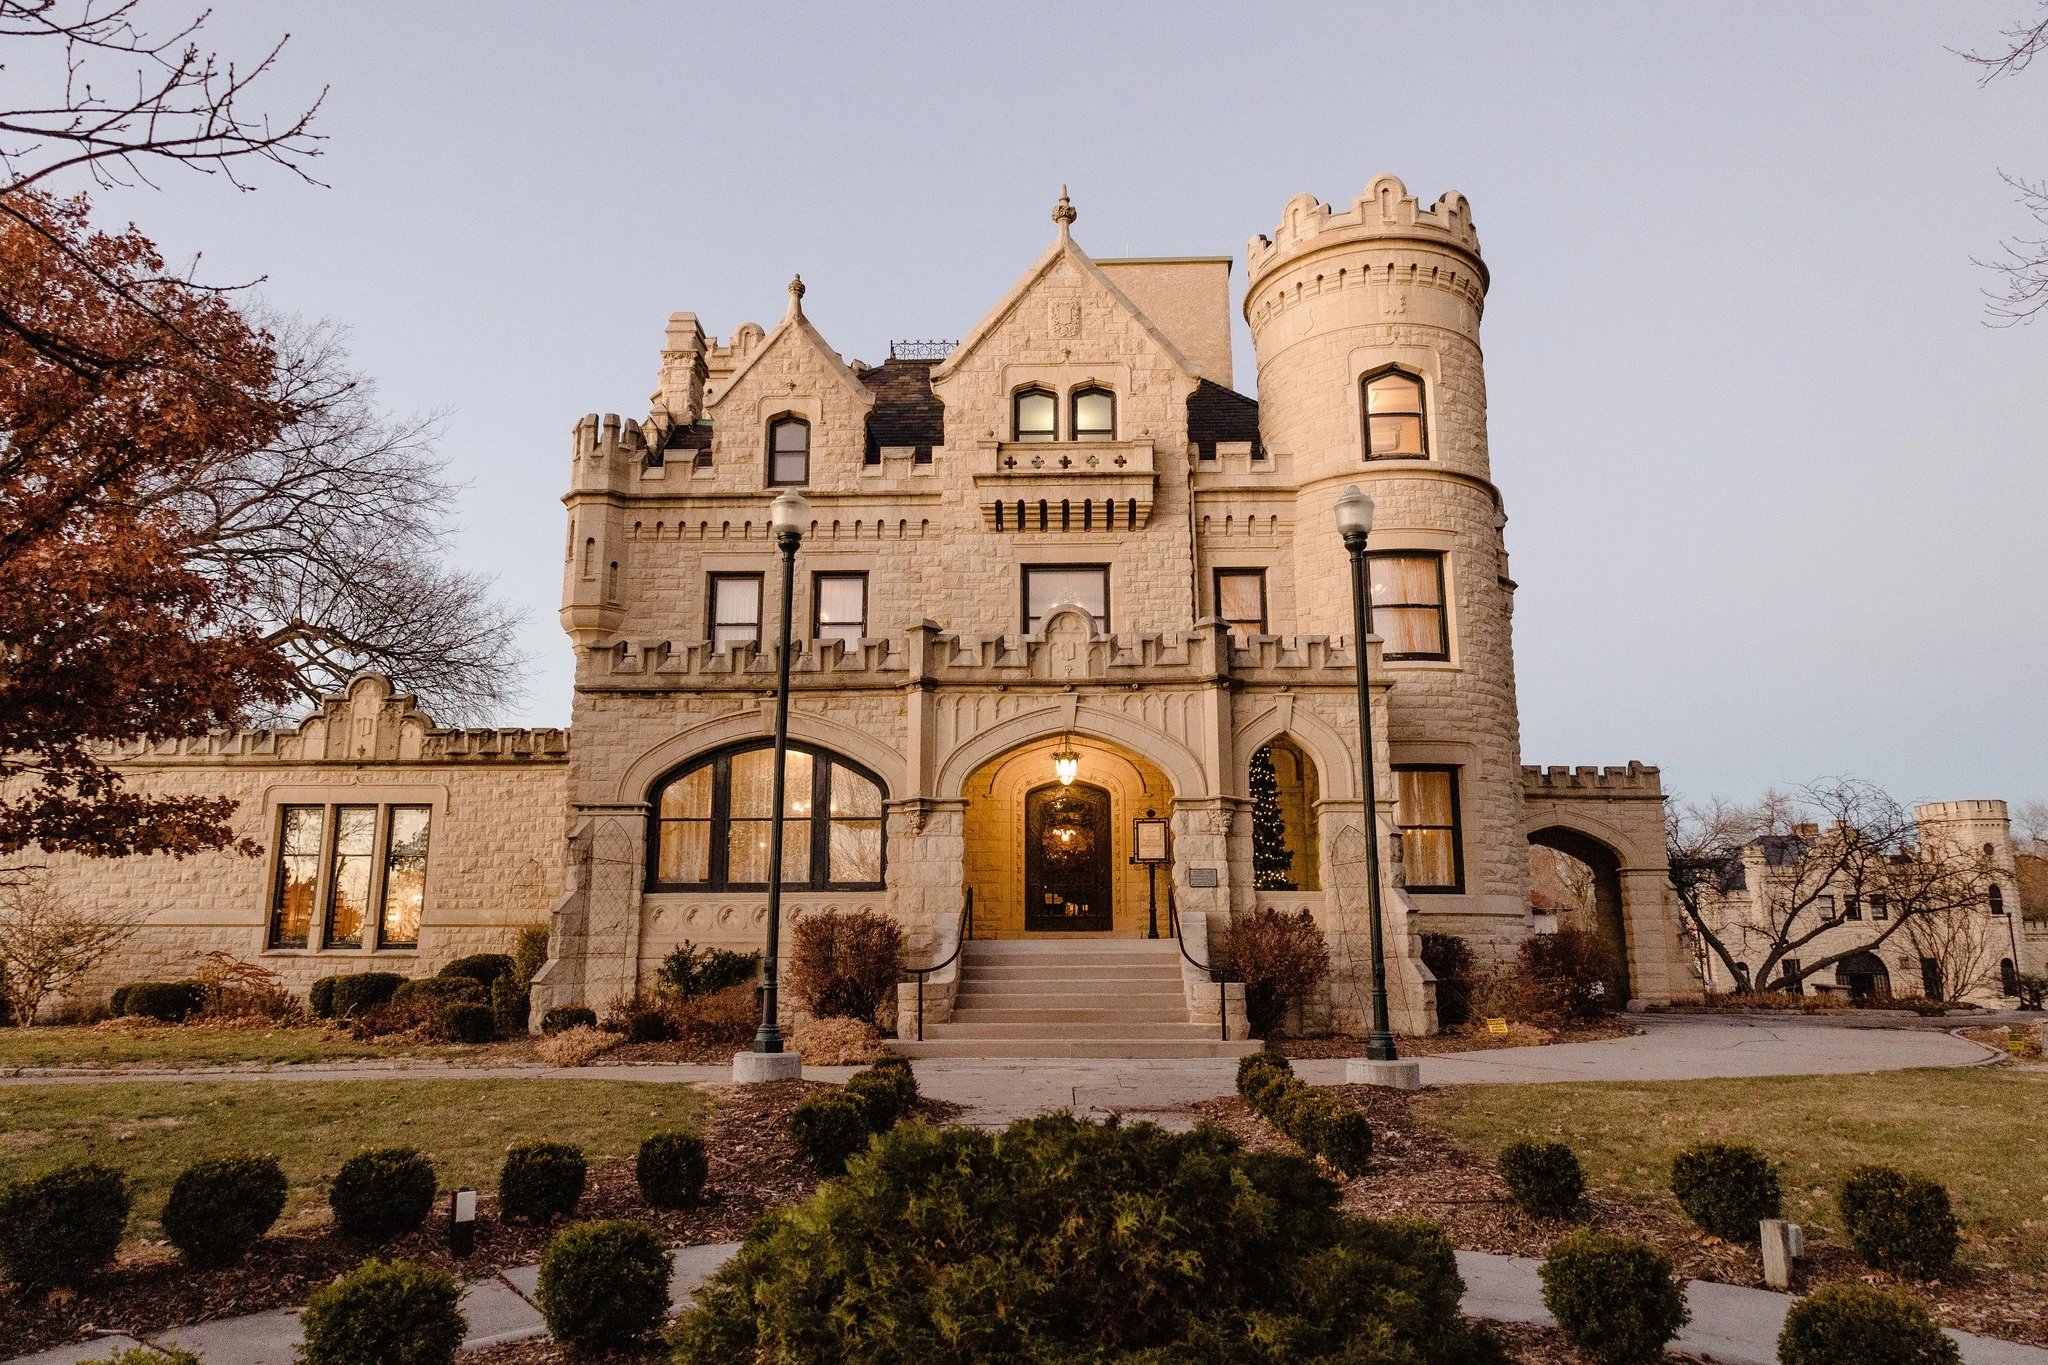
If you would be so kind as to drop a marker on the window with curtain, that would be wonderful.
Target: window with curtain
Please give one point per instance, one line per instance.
(1395, 428)
(1049, 585)
(1094, 415)
(735, 600)
(713, 823)
(789, 451)
(1035, 416)
(839, 607)
(1426, 810)
(1408, 604)
(365, 866)
(1241, 602)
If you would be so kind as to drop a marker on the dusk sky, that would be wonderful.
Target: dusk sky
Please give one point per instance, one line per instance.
(1776, 489)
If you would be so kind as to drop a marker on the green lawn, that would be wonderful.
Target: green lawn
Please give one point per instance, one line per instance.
(1977, 1130)
(66, 1046)
(152, 1130)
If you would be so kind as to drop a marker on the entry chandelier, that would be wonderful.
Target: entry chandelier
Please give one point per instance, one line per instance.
(1066, 764)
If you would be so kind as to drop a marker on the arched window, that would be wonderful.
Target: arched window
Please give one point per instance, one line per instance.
(712, 822)
(1395, 428)
(1094, 417)
(1997, 899)
(1035, 416)
(789, 451)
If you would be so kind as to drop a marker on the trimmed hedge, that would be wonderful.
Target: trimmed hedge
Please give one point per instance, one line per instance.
(511, 1004)
(889, 1092)
(168, 1002)
(1898, 1222)
(57, 1229)
(671, 1169)
(1615, 1300)
(1726, 1189)
(381, 1193)
(1318, 1122)
(1839, 1323)
(385, 1313)
(358, 991)
(442, 990)
(604, 1285)
(541, 1180)
(467, 1021)
(1543, 1178)
(320, 997)
(220, 1207)
(482, 968)
(830, 1127)
(562, 1018)
(692, 971)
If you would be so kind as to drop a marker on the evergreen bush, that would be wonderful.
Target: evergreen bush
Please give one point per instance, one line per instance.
(482, 968)
(57, 1229)
(167, 1002)
(604, 1285)
(529, 952)
(510, 1005)
(692, 971)
(671, 1169)
(1319, 1122)
(381, 1193)
(384, 1313)
(649, 1025)
(1615, 1300)
(1841, 1323)
(149, 1355)
(319, 997)
(562, 1018)
(220, 1207)
(1543, 1178)
(1898, 1222)
(541, 1180)
(889, 1092)
(359, 991)
(467, 1021)
(437, 991)
(1449, 959)
(1726, 1189)
(829, 1128)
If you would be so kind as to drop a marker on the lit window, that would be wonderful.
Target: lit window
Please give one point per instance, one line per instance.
(1394, 427)
(377, 858)
(1241, 602)
(1094, 415)
(1426, 809)
(839, 607)
(348, 889)
(735, 610)
(1035, 413)
(302, 835)
(405, 877)
(1050, 585)
(789, 450)
(714, 823)
(1408, 605)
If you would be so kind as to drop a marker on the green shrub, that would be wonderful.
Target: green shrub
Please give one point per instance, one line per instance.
(529, 952)
(1726, 1189)
(692, 971)
(843, 964)
(467, 1021)
(889, 1092)
(1449, 959)
(1280, 958)
(220, 1207)
(1615, 1300)
(359, 991)
(961, 1244)
(1319, 1123)
(168, 1002)
(511, 1003)
(148, 1355)
(57, 1229)
(1860, 1323)
(384, 1313)
(604, 1285)
(482, 968)
(381, 1193)
(436, 991)
(1898, 1222)
(562, 1018)
(1543, 1178)
(541, 1180)
(319, 997)
(671, 1169)
(830, 1127)
(649, 1026)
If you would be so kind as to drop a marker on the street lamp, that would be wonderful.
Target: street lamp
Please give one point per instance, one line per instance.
(789, 515)
(1354, 523)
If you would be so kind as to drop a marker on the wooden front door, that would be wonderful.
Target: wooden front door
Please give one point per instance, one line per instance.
(1067, 858)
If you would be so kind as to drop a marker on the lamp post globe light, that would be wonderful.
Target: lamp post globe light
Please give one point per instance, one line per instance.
(788, 517)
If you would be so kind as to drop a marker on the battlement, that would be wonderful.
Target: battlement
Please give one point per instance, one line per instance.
(1936, 812)
(1557, 781)
(597, 437)
(1384, 210)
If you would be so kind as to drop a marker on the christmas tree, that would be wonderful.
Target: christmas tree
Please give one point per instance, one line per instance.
(1272, 859)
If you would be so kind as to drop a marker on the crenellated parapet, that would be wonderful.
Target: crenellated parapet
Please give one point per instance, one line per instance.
(1544, 783)
(1384, 210)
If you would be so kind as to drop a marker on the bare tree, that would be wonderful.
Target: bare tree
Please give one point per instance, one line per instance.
(48, 943)
(1703, 845)
(2022, 262)
(1965, 950)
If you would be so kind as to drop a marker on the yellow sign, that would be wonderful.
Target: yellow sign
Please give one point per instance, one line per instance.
(1496, 1026)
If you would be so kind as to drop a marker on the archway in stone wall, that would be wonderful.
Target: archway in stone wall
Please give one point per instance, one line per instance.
(1286, 843)
(1042, 856)
(1577, 878)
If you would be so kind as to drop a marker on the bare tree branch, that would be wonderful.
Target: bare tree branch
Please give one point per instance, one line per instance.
(2023, 42)
(47, 942)
(2022, 262)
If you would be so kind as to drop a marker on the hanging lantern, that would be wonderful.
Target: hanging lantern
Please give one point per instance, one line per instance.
(1066, 764)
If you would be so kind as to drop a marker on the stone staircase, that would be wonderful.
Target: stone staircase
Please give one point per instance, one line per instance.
(1071, 998)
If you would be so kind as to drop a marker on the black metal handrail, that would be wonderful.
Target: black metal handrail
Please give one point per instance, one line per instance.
(966, 932)
(1215, 974)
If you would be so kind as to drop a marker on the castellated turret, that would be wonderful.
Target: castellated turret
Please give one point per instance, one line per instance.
(1365, 323)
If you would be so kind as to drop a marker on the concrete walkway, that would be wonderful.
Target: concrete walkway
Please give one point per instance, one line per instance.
(1731, 1325)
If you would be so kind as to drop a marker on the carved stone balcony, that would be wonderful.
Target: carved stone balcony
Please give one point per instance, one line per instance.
(1065, 485)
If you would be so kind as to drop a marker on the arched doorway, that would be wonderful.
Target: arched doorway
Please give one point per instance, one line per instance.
(1864, 976)
(1577, 878)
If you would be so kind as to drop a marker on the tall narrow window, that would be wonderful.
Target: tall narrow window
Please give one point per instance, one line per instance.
(713, 822)
(789, 450)
(1241, 602)
(839, 607)
(1394, 425)
(1426, 809)
(1852, 907)
(405, 877)
(348, 888)
(1050, 585)
(1035, 414)
(1996, 898)
(752, 817)
(302, 831)
(1408, 605)
(1094, 415)
(735, 610)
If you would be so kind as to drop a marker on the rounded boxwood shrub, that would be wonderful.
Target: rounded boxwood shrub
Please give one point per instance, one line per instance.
(1899, 1222)
(381, 1193)
(319, 997)
(359, 991)
(541, 1180)
(995, 1244)
(1615, 1300)
(830, 1127)
(1862, 1323)
(1543, 1178)
(467, 1021)
(441, 990)
(671, 1169)
(220, 1207)
(167, 1002)
(649, 1026)
(604, 1285)
(1726, 1189)
(890, 1093)
(562, 1018)
(482, 968)
(57, 1229)
(384, 1313)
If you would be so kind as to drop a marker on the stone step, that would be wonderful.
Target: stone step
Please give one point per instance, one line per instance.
(1059, 1045)
(975, 997)
(1173, 1012)
(1085, 971)
(1107, 1032)
(1008, 950)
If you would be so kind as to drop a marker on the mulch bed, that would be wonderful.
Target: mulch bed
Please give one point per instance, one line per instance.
(753, 1168)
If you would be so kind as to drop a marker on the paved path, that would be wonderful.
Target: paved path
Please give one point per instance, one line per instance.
(1729, 1324)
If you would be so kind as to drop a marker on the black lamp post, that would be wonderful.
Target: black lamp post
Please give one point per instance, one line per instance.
(789, 515)
(1354, 523)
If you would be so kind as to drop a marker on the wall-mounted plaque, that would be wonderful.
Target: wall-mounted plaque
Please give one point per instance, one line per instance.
(1201, 876)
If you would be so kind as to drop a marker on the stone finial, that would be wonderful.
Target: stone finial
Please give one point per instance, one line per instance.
(796, 296)
(1063, 212)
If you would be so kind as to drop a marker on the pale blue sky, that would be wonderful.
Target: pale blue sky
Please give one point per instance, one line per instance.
(1776, 491)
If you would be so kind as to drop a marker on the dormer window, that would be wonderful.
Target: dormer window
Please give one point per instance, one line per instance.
(1394, 425)
(789, 451)
(1035, 415)
(1094, 415)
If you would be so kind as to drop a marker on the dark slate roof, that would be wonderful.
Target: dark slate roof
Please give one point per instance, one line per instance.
(906, 412)
(685, 444)
(1219, 414)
